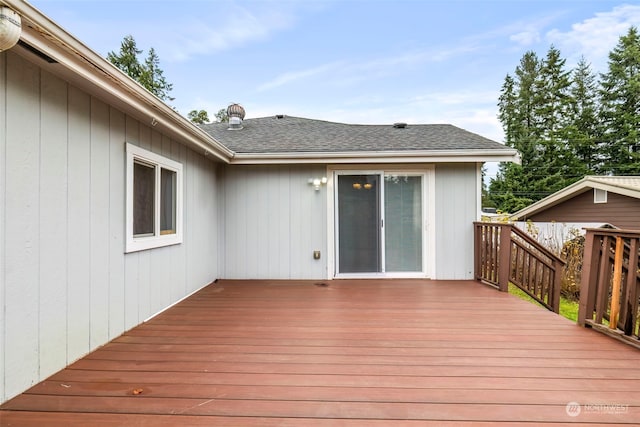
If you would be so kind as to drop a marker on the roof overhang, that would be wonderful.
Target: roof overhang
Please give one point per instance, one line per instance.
(82, 67)
(427, 156)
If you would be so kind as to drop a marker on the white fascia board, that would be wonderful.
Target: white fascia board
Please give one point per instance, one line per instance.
(617, 189)
(379, 157)
(76, 59)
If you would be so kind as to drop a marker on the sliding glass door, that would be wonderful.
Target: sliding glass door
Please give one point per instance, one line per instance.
(379, 222)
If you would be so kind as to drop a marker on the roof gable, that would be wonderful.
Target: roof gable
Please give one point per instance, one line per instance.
(624, 185)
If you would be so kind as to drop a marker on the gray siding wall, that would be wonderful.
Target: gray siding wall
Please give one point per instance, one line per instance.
(456, 209)
(273, 221)
(66, 286)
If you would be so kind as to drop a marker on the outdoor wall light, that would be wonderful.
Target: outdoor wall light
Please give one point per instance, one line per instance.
(10, 28)
(318, 182)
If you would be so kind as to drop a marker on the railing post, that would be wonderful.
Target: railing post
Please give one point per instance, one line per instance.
(504, 261)
(588, 279)
(631, 296)
(557, 286)
(477, 238)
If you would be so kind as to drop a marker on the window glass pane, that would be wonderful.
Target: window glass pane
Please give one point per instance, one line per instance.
(403, 222)
(144, 177)
(359, 223)
(168, 181)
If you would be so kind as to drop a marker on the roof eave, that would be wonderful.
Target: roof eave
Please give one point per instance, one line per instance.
(99, 76)
(423, 156)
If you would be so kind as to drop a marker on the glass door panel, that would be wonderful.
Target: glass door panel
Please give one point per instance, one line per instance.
(359, 222)
(403, 223)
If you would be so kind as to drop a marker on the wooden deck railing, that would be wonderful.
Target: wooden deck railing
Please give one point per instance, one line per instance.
(504, 253)
(610, 285)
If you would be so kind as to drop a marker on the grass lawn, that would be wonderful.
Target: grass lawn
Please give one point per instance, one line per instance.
(568, 308)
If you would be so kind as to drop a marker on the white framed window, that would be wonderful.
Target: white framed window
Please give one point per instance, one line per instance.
(154, 200)
(599, 195)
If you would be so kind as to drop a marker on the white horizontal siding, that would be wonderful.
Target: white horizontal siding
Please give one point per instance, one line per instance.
(66, 286)
(274, 220)
(456, 209)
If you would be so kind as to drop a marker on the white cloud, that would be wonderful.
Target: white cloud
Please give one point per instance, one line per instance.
(522, 33)
(293, 76)
(239, 27)
(468, 97)
(526, 38)
(352, 72)
(595, 37)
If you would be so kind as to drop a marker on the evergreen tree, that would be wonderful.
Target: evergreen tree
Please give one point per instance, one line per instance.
(620, 114)
(554, 168)
(583, 130)
(511, 189)
(147, 73)
(127, 59)
(153, 77)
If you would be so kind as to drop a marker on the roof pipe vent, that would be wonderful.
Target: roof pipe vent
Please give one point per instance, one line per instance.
(235, 113)
(399, 125)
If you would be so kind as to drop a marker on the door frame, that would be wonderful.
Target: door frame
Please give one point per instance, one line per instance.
(428, 217)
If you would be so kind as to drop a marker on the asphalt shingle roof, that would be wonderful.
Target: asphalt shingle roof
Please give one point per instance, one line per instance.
(299, 135)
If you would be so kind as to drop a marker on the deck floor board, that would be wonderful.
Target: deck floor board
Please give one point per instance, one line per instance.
(353, 353)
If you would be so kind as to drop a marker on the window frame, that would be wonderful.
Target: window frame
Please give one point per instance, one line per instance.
(140, 243)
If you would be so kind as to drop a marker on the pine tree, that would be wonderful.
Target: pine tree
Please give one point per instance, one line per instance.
(620, 114)
(555, 159)
(148, 73)
(583, 130)
(153, 77)
(511, 189)
(127, 59)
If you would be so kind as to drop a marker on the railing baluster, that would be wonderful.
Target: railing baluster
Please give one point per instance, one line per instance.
(605, 271)
(611, 280)
(629, 318)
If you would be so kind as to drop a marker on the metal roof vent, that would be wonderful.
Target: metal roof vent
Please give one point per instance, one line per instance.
(235, 113)
(400, 125)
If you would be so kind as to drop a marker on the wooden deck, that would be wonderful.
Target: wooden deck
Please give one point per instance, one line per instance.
(349, 353)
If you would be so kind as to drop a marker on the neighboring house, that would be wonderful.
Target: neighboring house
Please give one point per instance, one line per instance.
(114, 207)
(594, 201)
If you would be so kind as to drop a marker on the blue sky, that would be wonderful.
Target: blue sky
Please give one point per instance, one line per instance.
(357, 61)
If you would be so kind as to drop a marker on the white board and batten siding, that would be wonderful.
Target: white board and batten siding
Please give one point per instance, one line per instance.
(66, 285)
(457, 202)
(273, 222)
